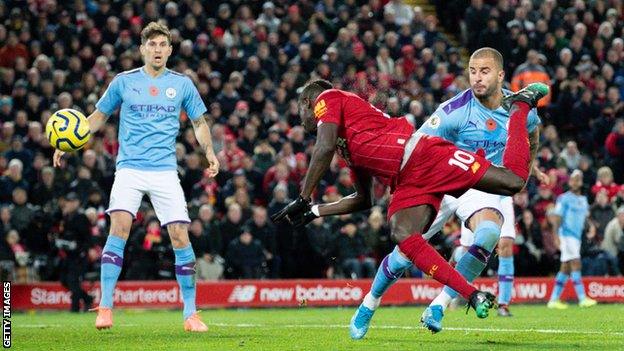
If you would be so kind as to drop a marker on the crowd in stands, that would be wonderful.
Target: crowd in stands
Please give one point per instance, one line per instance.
(247, 59)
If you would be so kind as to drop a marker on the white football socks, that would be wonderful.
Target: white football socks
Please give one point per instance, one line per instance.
(371, 302)
(443, 299)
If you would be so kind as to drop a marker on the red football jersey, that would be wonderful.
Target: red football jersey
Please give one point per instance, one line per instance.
(368, 139)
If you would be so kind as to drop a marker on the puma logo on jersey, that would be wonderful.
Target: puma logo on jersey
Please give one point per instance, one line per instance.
(320, 109)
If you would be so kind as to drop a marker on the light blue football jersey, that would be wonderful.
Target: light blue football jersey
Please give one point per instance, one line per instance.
(573, 210)
(465, 122)
(149, 119)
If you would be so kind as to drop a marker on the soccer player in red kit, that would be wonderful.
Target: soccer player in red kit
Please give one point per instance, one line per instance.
(418, 168)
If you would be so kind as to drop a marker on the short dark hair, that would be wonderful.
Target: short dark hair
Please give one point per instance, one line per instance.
(153, 29)
(491, 53)
(314, 88)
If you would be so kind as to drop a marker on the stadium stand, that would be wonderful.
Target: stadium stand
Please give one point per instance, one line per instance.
(247, 59)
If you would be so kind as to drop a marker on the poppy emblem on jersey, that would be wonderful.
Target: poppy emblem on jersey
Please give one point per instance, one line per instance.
(320, 109)
(490, 124)
(153, 91)
(434, 121)
(171, 93)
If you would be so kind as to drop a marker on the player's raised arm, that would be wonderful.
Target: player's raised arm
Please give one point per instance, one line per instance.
(322, 117)
(322, 155)
(361, 199)
(108, 103)
(96, 121)
(204, 138)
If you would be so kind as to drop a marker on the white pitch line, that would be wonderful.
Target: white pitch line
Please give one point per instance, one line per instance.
(408, 327)
(396, 327)
(63, 326)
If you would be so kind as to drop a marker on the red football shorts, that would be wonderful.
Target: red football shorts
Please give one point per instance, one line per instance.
(435, 168)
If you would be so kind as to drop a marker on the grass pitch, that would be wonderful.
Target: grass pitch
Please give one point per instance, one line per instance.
(393, 328)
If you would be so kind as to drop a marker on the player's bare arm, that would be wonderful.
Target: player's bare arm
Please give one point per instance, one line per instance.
(96, 120)
(204, 138)
(322, 155)
(534, 145)
(361, 199)
(298, 212)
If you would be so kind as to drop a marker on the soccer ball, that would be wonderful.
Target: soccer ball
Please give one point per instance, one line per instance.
(68, 130)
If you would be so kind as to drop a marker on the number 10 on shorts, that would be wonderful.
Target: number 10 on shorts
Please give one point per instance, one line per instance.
(465, 161)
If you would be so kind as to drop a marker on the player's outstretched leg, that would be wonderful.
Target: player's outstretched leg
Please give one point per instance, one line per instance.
(512, 178)
(505, 277)
(429, 261)
(470, 266)
(185, 275)
(560, 280)
(579, 288)
(517, 154)
(111, 264)
(389, 271)
(407, 225)
(530, 94)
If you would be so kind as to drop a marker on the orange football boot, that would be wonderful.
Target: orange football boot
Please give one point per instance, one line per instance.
(104, 319)
(195, 324)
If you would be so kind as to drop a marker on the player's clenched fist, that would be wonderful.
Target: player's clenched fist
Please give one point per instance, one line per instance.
(292, 211)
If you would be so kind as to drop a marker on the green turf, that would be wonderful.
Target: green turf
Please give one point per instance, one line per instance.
(393, 328)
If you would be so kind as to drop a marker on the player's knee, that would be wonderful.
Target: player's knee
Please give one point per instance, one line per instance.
(513, 184)
(487, 235)
(505, 247)
(399, 234)
(178, 232)
(121, 224)
(485, 214)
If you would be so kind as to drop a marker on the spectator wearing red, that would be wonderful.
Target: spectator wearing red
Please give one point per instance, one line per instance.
(606, 184)
(231, 153)
(301, 168)
(12, 50)
(614, 145)
(408, 60)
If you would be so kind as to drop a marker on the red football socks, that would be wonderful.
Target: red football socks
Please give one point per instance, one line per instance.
(429, 261)
(517, 155)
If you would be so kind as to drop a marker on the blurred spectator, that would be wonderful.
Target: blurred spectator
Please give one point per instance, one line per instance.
(248, 60)
(73, 243)
(605, 184)
(353, 254)
(571, 155)
(531, 248)
(614, 145)
(245, 257)
(11, 180)
(264, 231)
(377, 234)
(596, 260)
(230, 226)
(531, 71)
(21, 212)
(613, 241)
(208, 267)
(151, 251)
(601, 212)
